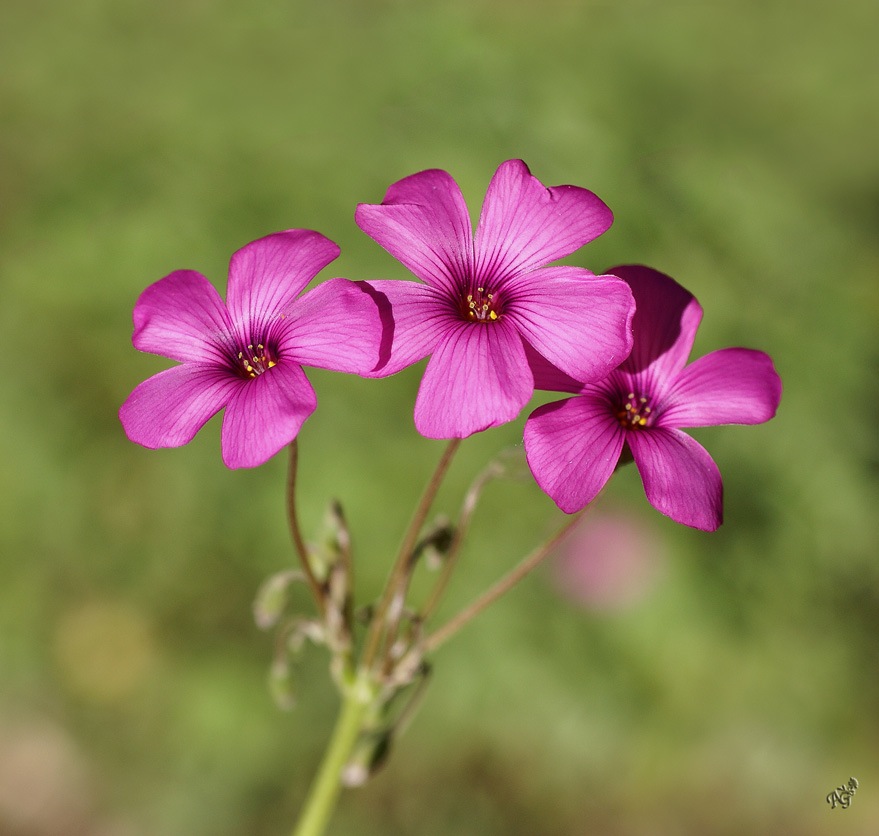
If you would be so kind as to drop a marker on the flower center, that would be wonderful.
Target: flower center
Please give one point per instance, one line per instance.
(255, 360)
(482, 305)
(635, 413)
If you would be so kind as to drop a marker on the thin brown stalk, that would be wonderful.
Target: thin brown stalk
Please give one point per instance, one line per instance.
(316, 587)
(463, 525)
(435, 639)
(399, 574)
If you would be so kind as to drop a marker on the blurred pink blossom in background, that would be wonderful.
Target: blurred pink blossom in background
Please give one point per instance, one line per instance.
(610, 562)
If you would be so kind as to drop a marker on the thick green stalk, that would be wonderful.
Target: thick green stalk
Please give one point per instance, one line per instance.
(324, 792)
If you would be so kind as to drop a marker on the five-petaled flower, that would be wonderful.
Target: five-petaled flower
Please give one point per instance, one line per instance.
(247, 355)
(574, 445)
(488, 304)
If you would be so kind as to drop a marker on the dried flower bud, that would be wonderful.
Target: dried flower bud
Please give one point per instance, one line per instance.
(436, 542)
(271, 598)
(281, 683)
(333, 542)
(370, 754)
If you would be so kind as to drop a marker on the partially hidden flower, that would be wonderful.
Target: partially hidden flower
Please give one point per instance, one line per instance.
(488, 302)
(574, 445)
(247, 355)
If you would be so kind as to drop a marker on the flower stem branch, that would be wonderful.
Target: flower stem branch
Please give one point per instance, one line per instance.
(468, 507)
(317, 589)
(440, 636)
(400, 572)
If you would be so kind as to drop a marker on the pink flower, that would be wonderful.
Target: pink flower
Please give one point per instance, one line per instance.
(247, 355)
(574, 445)
(488, 302)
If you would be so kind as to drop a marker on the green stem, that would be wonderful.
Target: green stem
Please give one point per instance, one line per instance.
(399, 572)
(507, 582)
(324, 791)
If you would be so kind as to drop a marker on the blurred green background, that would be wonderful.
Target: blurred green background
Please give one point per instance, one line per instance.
(728, 684)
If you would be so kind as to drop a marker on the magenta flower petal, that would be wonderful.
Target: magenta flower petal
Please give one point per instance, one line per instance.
(265, 415)
(418, 323)
(500, 297)
(525, 225)
(477, 378)
(423, 222)
(581, 323)
(666, 320)
(730, 386)
(572, 447)
(168, 409)
(179, 317)
(680, 479)
(334, 326)
(549, 377)
(268, 274)
(247, 357)
(646, 400)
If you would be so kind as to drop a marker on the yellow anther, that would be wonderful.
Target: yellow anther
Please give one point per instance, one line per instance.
(479, 306)
(253, 362)
(635, 413)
